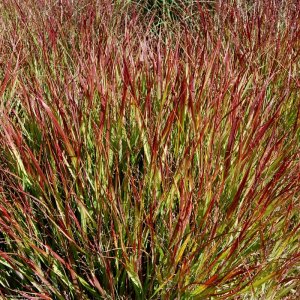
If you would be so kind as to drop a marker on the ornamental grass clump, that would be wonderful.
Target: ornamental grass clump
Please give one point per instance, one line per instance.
(146, 154)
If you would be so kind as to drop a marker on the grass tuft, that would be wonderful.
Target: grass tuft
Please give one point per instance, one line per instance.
(149, 149)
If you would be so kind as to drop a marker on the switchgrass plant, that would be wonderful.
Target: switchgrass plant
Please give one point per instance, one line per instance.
(149, 162)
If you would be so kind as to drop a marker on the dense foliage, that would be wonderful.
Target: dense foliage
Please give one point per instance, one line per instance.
(149, 149)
